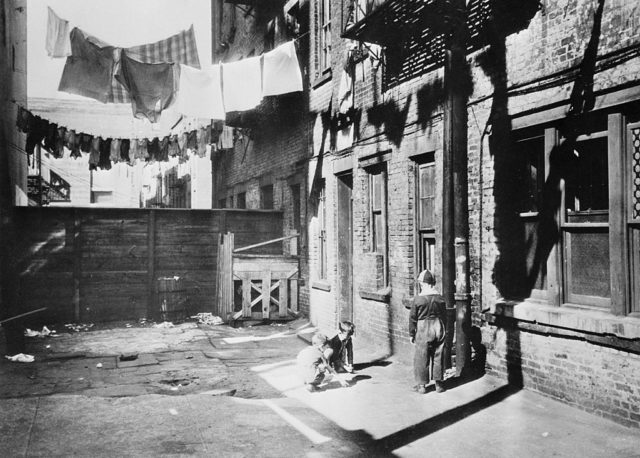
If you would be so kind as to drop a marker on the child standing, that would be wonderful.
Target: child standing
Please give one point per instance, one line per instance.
(313, 362)
(427, 331)
(342, 358)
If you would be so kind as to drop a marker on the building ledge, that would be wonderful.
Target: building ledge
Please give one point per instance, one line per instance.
(381, 295)
(322, 78)
(322, 285)
(571, 321)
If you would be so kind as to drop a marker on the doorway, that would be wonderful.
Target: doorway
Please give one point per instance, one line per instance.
(345, 246)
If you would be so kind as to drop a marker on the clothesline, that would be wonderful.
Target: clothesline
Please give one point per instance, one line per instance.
(167, 73)
(104, 151)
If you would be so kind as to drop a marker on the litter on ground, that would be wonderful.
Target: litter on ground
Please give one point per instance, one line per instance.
(164, 324)
(31, 333)
(21, 358)
(208, 318)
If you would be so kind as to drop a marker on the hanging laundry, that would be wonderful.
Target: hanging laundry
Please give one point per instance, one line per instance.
(151, 86)
(105, 152)
(50, 138)
(226, 138)
(58, 150)
(180, 48)
(58, 42)
(174, 146)
(345, 92)
(154, 149)
(125, 146)
(114, 151)
(182, 142)
(281, 71)
(192, 141)
(204, 138)
(143, 151)
(163, 154)
(94, 153)
(242, 84)
(200, 93)
(36, 134)
(88, 71)
(133, 150)
(85, 143)
(73, 143)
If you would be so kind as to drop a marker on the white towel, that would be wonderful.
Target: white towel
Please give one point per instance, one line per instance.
(200, 93)
(242, 84)
(281, 73)
(58, 39)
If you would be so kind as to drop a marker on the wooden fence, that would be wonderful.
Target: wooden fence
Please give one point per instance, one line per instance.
(97, 265)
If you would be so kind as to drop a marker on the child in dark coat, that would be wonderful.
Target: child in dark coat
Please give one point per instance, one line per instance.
(342, 346)
(427, 330)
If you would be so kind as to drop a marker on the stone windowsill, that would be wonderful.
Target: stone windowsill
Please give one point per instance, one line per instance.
(321, 79)
(381, 295)
(571, 317)
(322, 285)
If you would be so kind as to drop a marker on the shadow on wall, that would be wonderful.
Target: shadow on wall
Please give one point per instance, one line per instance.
(511, 276)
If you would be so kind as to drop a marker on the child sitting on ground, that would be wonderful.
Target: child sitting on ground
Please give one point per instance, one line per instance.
(342, 358)
(314, 364)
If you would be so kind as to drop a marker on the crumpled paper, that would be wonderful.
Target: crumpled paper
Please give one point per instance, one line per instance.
(164, 324)
(21, 358)
(208, 318)
(44, 333)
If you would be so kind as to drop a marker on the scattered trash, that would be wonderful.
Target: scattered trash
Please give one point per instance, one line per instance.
(31, 333)
(99, 365)
(189, 357)
(174, 388)
(220, 392)
(21, 358)
(208, 319)
(128, 325)
(79, 327)
(545, 434)
(48, 346)
(173, 411)
(164, 324)
(128, 357)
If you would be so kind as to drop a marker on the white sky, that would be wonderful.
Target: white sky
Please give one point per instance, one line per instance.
(118, 22)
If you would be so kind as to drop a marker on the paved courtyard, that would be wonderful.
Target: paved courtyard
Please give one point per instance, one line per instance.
(139, 390)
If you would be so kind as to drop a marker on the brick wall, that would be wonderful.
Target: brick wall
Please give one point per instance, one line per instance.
(597, 379)
(588, 375)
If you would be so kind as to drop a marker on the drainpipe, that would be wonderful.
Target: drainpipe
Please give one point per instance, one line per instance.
(455, 202)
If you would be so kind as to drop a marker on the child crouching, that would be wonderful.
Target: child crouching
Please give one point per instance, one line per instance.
(313, 362)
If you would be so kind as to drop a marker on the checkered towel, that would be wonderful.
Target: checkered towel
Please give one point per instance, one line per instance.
(179, 48)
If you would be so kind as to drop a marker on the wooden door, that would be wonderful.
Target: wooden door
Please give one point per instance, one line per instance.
(345, 246)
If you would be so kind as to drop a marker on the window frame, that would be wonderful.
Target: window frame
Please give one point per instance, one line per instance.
(323, 37)
(377, 240)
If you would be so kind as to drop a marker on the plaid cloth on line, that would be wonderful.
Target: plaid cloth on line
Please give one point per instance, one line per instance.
(180, 48)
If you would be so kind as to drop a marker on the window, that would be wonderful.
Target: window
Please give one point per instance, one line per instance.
(222, 203)
(529, 148)
(426, 218)
(295, 207)
(324, 35)
(266, 196)
(378, 214)
(587, 186)
(585, 222)
(230, 202)
(241, 200)
(322, 233)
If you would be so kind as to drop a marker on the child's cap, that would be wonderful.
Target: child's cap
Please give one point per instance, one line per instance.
(348, 327)
(318, 339)
(426, 277)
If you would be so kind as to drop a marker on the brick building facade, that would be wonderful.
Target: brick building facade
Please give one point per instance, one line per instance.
(553, 105)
